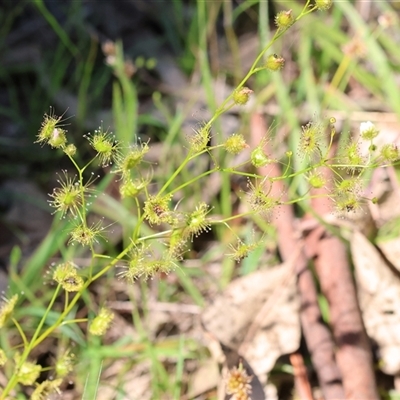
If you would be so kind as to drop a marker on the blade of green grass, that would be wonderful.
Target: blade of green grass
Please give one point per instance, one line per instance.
(56, 27)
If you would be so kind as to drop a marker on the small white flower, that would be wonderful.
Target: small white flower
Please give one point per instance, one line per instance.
(366, 126)
(368, 130)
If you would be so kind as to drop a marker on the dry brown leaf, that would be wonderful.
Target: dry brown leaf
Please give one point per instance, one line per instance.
(379, 297)
(258, 316)
(391, 250)
(205, 378)
(389, 195)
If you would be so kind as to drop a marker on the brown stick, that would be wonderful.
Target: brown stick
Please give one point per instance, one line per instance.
(353, 354)
(316, 334)
(302, 383)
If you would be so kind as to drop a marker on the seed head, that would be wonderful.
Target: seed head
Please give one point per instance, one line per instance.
(235, 144)
(28, 372)
(102, 322)
(58, 138)
(284, 19)
(47, 388)
(389, 153)
(64, 364)
(310, 140)
(241, 96)
(258, 157)
(200, 139)
(238, 383)
(196, 222)
(66, 275)
(156, 210)
(316, 180)
(323, 5)
(274, 62)
(70, 150)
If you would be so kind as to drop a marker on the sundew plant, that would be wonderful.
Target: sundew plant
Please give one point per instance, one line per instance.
(161, 207)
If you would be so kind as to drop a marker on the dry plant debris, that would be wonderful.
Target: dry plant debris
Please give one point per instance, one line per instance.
(258, 316)
(379, 299)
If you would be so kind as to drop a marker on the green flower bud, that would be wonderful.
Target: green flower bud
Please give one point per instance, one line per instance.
(51, 133)
(46, 389)
(101, 323)
(241, 96)
(70, 150)
(235, 144)
(323, 5)
(197, 222)
(28, 373)
(259, 158)
(316, 180)
(105, 145)
(132, 188)
(57, 138)
(389, 153)
(284, 19)
(64, 364)
(274, 62)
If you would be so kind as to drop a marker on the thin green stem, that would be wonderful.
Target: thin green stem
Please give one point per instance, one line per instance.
(175, 174)
(233, 217)
(38, 339)
(101, 256)
(72, 321)
(14, 379)
(287, 166)
(188, 158)
(306, 196)
(241, 173)
(155, 235)
(21, 332)
(187, 183)
(52, 21)
(37, 332)
(66, 300)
